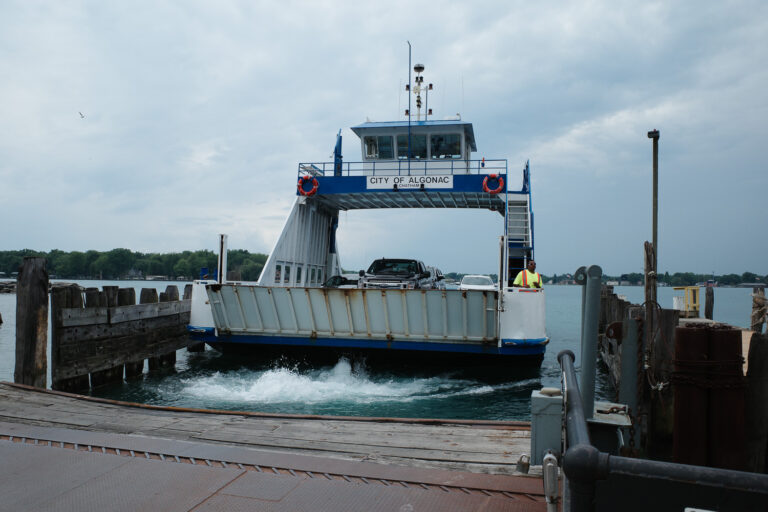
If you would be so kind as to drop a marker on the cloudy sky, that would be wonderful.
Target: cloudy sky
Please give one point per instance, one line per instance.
(196, 115)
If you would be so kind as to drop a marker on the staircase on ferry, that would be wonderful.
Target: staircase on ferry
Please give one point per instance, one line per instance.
(519, 233)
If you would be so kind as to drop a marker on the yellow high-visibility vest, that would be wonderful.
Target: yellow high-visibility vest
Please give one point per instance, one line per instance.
(528, 279)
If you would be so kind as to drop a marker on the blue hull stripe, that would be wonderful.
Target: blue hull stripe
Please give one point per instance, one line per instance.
(524, 342)
(521, 349)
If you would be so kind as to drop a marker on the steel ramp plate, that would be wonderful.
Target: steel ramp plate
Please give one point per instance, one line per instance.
(49, 477)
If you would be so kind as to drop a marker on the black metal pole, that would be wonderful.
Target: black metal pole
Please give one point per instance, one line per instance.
(409, 108)
(654, 134)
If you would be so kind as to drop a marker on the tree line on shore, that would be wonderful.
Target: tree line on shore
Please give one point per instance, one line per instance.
(127, 264)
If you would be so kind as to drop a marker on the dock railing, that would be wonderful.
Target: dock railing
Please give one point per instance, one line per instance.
(597, 481)
(404, 167)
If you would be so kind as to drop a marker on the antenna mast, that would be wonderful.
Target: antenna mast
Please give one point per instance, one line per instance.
(419, 69)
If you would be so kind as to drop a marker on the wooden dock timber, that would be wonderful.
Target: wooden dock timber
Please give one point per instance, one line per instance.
(106, 335)
(490, 447)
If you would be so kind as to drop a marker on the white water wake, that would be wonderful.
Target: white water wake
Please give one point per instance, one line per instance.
(342, 383)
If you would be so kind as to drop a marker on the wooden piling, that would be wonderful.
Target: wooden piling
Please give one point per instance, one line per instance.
(114, 296)
(67, 296)
(709, 302)
(662, 421)
(32, 323)
(759, 307)
(92, 297)
(133, 369)
(172, 292)
(103, 341)
(150, 296)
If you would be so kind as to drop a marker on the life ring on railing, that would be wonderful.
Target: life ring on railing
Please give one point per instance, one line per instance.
(305, 179)
(496, 190)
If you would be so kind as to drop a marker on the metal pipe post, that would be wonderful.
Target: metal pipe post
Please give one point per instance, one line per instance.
(628, 383)
(654, 134)
(409, 109)
(222, 261)
(575, 423)
(589, 340)
(580, 276)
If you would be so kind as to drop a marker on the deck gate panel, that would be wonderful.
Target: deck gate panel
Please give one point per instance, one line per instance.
(401, 315)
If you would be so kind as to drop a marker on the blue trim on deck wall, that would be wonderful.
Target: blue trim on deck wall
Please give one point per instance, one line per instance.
(356, 184)
(522, 348)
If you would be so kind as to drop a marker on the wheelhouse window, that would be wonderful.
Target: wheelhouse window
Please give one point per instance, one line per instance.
(445, 145)
(378, 147)
(418, 146)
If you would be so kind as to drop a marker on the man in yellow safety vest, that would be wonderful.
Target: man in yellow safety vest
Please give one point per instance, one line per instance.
(528, 278)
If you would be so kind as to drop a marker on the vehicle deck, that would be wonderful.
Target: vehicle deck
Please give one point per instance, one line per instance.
(181, 459)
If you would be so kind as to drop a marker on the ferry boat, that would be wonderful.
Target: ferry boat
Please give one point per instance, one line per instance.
(414, 163)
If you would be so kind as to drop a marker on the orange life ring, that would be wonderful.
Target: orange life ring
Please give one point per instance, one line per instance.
(304, 179)
(495, 190)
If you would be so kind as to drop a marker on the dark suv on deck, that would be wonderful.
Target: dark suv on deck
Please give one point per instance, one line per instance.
(396, 273)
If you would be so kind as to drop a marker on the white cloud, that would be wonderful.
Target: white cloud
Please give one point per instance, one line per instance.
(196, 115)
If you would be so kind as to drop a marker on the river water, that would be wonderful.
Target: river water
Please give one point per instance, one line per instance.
(216, 381)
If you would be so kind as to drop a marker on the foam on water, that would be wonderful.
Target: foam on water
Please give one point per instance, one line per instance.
(343, 382)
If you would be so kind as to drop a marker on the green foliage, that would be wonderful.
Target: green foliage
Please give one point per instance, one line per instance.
(124, 263)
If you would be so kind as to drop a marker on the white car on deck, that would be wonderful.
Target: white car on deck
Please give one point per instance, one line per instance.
(477, 282)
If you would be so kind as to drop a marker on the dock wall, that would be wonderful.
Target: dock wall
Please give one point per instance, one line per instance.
(103, 336)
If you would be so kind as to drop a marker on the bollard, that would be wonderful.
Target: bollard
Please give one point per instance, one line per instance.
(591, 307)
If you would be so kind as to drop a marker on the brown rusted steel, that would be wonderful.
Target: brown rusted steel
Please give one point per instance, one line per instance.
(690, 394)
(727, 434)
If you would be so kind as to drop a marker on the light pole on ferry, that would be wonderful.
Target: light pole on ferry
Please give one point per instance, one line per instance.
(409, 107)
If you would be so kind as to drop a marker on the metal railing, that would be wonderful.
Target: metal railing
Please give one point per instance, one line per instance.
(597, 481)
(403, 167)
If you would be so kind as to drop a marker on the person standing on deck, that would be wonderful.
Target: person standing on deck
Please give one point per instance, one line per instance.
(528, 278)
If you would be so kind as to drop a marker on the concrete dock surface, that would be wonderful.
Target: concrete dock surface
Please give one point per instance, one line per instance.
(55, 458)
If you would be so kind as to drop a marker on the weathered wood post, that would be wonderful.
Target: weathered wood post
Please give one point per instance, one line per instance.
(114, 374)
(92, 297)
(149, 296)
(757, 404)
(171, 294)
(32, 324)
(759, 307)
(660, 436)
(65, 297)
(709, 302)
(127, 297)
